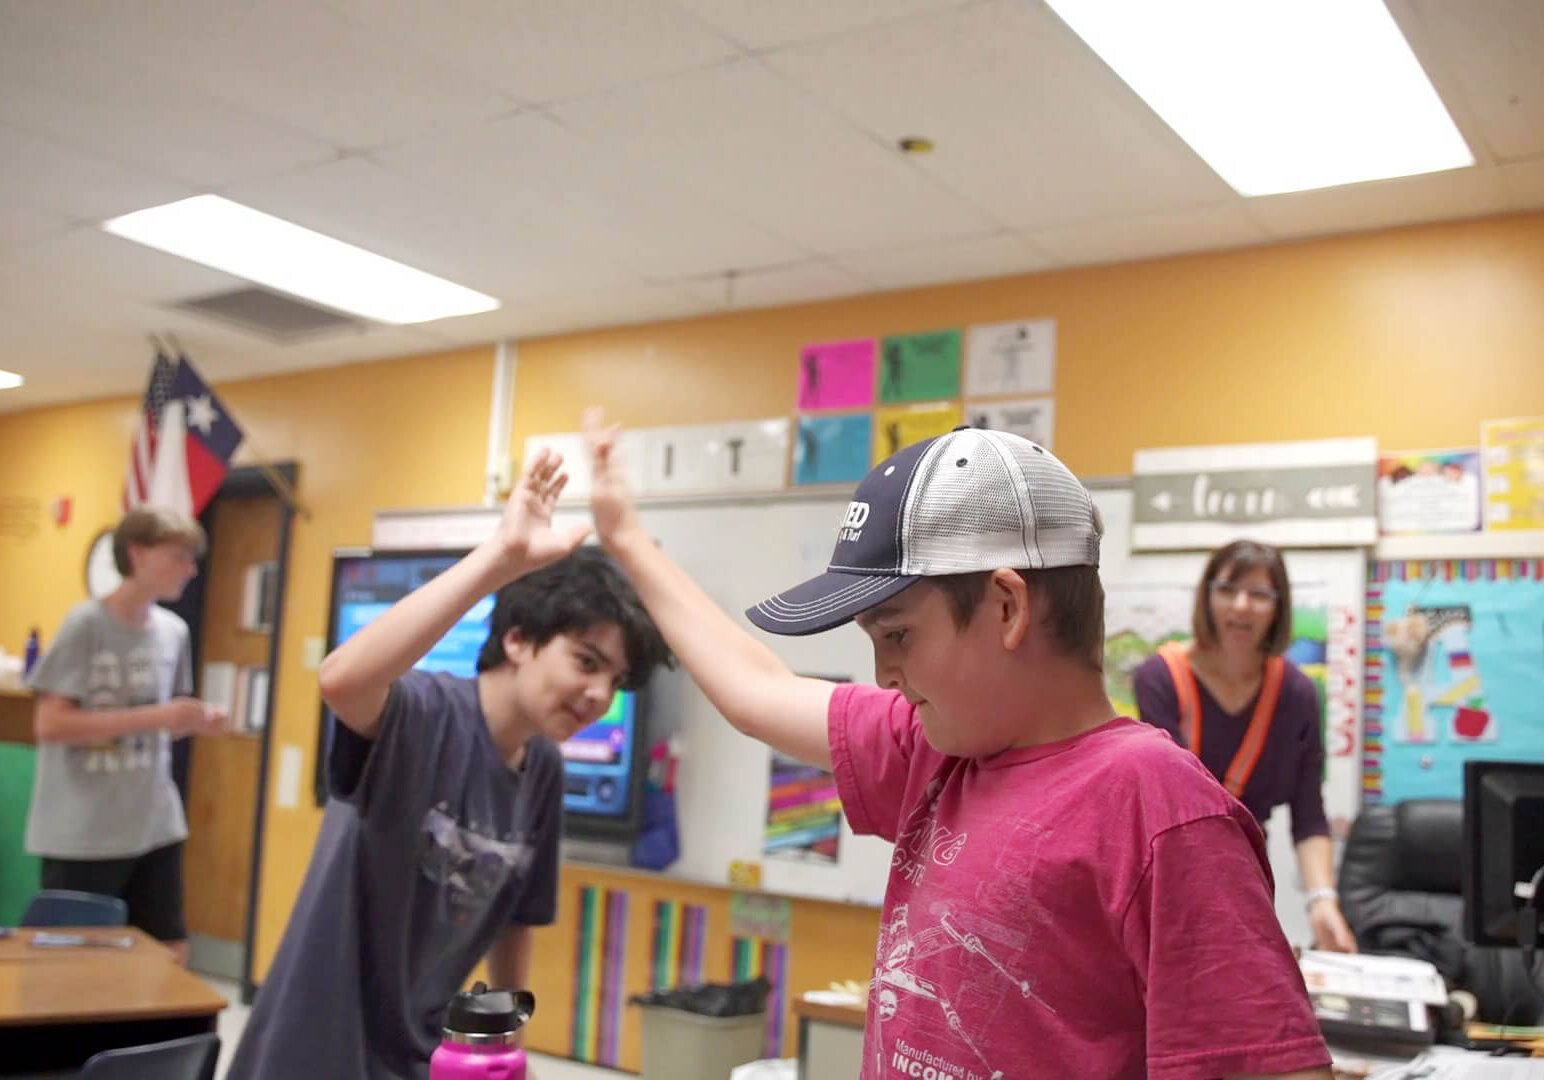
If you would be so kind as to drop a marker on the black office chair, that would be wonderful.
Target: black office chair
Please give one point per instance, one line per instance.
(1401, 888)
(61, 907)
(191, 1058)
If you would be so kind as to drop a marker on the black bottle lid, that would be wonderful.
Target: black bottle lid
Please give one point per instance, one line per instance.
(481, 1011)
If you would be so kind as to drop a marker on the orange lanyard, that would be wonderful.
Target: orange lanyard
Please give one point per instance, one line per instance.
(1188, 692)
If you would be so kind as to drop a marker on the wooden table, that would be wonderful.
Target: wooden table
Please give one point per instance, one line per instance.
(58, 1006)
(830, 1040)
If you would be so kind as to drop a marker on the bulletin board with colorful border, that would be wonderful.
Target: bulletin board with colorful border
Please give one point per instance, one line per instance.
(1455, 670)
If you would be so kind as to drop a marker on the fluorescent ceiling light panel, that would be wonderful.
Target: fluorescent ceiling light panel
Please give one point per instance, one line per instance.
(282, 255)
(9, 380)
(1278, 95)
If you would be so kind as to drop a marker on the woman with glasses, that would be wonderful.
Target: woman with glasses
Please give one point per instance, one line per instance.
(1250, 715)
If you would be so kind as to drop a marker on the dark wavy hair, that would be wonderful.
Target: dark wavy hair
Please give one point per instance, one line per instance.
(585, 590)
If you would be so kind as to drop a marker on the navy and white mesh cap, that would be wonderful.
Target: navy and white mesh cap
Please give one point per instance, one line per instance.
(968, 501)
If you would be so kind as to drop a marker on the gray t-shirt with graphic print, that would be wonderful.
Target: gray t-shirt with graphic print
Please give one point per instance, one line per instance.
(114, 799)
(430, 849)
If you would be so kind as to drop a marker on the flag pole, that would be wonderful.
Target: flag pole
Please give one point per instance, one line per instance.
(275, 478)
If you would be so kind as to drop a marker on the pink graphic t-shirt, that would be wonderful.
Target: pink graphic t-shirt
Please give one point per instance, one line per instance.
(1095, 907)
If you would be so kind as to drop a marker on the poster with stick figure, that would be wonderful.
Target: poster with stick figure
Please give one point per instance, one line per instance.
(1011, 358)
(837, 375)
(920, 367)
(896, 429)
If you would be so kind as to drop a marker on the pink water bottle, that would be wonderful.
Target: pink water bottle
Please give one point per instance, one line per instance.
(480, 1031)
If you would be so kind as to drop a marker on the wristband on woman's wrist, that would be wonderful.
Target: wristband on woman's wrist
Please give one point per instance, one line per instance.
(1324, 892)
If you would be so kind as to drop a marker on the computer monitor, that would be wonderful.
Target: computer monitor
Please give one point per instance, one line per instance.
(604, 765)
(1503, 852)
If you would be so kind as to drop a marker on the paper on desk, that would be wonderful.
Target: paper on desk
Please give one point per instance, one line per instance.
(832, 997)
(1384, 977)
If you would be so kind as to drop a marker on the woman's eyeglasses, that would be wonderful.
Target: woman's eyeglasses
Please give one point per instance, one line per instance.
(1258, 596)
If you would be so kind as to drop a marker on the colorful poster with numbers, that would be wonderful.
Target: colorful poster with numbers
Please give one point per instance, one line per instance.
(837, 375)
(1455, 660)
(898, 428)
(833, 449)
(804, 812)
(920, 367)
(1011, 358)
(1514, 473)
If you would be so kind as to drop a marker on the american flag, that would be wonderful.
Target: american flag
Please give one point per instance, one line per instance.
(184, 441)
(136, 488)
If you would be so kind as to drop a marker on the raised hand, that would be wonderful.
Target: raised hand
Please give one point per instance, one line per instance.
(611, 503)
(525, 538)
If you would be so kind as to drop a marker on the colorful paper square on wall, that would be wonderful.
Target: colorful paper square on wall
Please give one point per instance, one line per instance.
(833, 449)
(837, 375)
(920, 367)
(899, 428)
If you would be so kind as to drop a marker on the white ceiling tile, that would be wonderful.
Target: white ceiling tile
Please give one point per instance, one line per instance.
(465, 227)
(20, 225)
(117, 107)
(354, 346)
(1026, 120)
(1457, 193)
(291, 60)
(1524, 184)
(1492, 52)
(963, 260)
(757, 24)
(802, 282)
(670, 158)
(40, 173)
(744, 138)
(619, 306)
(86, 265)
(1142, 237)
(591, 196)
(547, 50)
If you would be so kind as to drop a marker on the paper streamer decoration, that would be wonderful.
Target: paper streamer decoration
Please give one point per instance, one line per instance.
(753, 957)
(598, 987)
(679, 931)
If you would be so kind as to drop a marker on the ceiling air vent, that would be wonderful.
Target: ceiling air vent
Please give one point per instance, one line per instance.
(273, 315)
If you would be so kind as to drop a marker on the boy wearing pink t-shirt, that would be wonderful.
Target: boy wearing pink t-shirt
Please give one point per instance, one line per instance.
(1072, 894)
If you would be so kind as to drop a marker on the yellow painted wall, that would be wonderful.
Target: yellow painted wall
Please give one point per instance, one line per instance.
(1412, 335)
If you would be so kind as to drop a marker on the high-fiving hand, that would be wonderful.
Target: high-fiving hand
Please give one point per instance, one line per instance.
(611, 502)
(525, 538)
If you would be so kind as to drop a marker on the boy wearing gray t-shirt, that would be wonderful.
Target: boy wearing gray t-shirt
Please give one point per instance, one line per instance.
(439, 846)
(111, 694)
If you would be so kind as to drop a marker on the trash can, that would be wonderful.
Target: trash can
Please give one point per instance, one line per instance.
(703, 1032)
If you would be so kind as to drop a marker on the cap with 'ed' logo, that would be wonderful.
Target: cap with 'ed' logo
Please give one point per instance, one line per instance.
(972, 500)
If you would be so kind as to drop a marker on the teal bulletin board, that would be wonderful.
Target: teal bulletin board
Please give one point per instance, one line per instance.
(1455, 663)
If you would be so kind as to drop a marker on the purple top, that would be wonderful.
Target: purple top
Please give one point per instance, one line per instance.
(1291, 768)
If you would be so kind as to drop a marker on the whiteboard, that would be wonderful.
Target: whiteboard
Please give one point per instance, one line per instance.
(742, 550)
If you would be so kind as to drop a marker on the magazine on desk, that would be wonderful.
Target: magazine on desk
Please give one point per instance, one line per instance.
(1383, 997)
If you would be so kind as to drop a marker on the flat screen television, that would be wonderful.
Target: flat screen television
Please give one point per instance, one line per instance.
(604, 764)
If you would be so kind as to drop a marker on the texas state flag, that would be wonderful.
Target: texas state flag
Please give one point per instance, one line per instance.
(184, 445)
